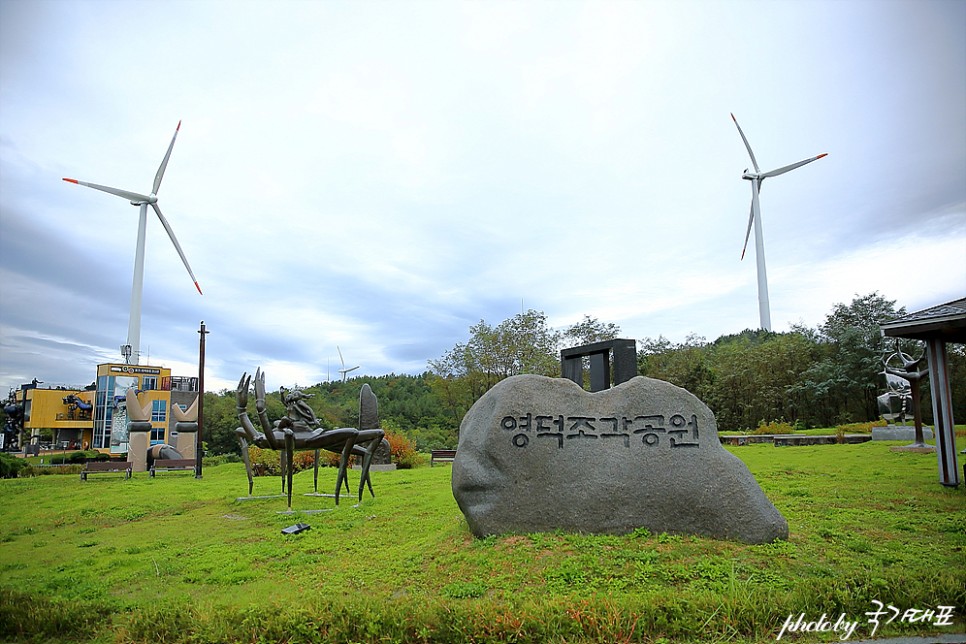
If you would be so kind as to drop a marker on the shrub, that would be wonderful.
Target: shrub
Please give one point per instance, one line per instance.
(266, 462)
(402, 449)
(330, 459)
(860, 428)
(303, 460)
(774, 427)
(82, 457)
(74, 457)
(221, 459)
(410, 460)
(40, 470)
(10, 466)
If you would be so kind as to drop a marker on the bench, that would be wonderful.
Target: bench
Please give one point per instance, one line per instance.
(442, 456)
(106, 467)
(172, 465)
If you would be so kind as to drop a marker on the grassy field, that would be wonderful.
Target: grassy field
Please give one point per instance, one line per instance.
(174, 559)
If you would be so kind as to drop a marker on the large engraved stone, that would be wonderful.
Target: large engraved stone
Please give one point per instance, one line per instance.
(541, 454)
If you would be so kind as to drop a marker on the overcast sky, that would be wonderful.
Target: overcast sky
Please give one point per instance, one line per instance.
(380, 176)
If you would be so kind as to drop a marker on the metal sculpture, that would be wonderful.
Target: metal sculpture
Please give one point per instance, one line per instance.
(896, 403)
(299, 429)
(912, 373)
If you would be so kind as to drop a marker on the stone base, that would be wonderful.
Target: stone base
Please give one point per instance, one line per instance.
(899, 433)
(187, 440)
(915, 449)
(378, 467)
(137, 446)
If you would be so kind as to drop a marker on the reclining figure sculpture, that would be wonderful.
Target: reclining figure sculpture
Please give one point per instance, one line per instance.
(300, 430)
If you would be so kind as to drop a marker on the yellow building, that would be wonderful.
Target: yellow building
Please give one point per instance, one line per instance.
(66, 413)
(110, 407)
(84, 419)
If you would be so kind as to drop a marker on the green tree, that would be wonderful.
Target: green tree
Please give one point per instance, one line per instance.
(685, 365)
(848, 373)
(755, 375)
(588, 331)
(522, 344)
(956, 357)
(219, 423)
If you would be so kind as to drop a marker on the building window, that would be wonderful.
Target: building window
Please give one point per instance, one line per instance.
(102, 413)
(159, 414)
(149, 383)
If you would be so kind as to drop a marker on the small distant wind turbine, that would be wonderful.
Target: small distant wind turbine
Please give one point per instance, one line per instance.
(754, 217)
(131, 349)
(343, 370)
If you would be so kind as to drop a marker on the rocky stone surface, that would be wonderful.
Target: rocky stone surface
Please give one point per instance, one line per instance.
(541, 454)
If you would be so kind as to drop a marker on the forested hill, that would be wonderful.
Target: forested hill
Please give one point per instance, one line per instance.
(407, 404)
(808, 377)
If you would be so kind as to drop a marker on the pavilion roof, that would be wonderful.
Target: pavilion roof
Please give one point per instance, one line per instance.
(945, 322)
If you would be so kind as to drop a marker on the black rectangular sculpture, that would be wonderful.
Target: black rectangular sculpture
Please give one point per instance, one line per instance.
(623, 354)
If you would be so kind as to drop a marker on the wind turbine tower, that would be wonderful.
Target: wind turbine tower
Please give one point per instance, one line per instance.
(345, 372)
(131, 350)
(754, 217)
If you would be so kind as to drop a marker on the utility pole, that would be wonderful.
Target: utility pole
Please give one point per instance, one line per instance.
(199, 452)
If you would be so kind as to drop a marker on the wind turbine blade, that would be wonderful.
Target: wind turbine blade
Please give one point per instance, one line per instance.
(747, 145)
(751, 220)
(174, 240)
(130, 196)
(164, 164)
(775, 173)
(340, 357)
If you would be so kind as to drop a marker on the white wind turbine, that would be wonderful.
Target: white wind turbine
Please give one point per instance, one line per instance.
(130, 351)
(343, 370)
(757, 178)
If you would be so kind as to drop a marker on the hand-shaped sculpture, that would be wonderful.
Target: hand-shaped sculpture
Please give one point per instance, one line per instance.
(299, 429)
(135, 411)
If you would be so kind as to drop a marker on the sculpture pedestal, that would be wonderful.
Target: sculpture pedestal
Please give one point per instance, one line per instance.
(139, 433)
(187, 443)
(899, 433)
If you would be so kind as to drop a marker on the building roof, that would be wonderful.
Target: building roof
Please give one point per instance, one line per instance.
(946, 322)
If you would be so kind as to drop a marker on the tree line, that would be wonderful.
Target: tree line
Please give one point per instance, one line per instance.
(808, 377)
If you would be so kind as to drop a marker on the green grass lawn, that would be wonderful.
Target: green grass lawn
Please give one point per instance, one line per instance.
(176, 559)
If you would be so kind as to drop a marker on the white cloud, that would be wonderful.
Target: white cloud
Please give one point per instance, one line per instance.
(380, 177)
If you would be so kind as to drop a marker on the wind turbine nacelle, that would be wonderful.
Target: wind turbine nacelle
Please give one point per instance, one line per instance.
(748, 176)
(151, 198)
